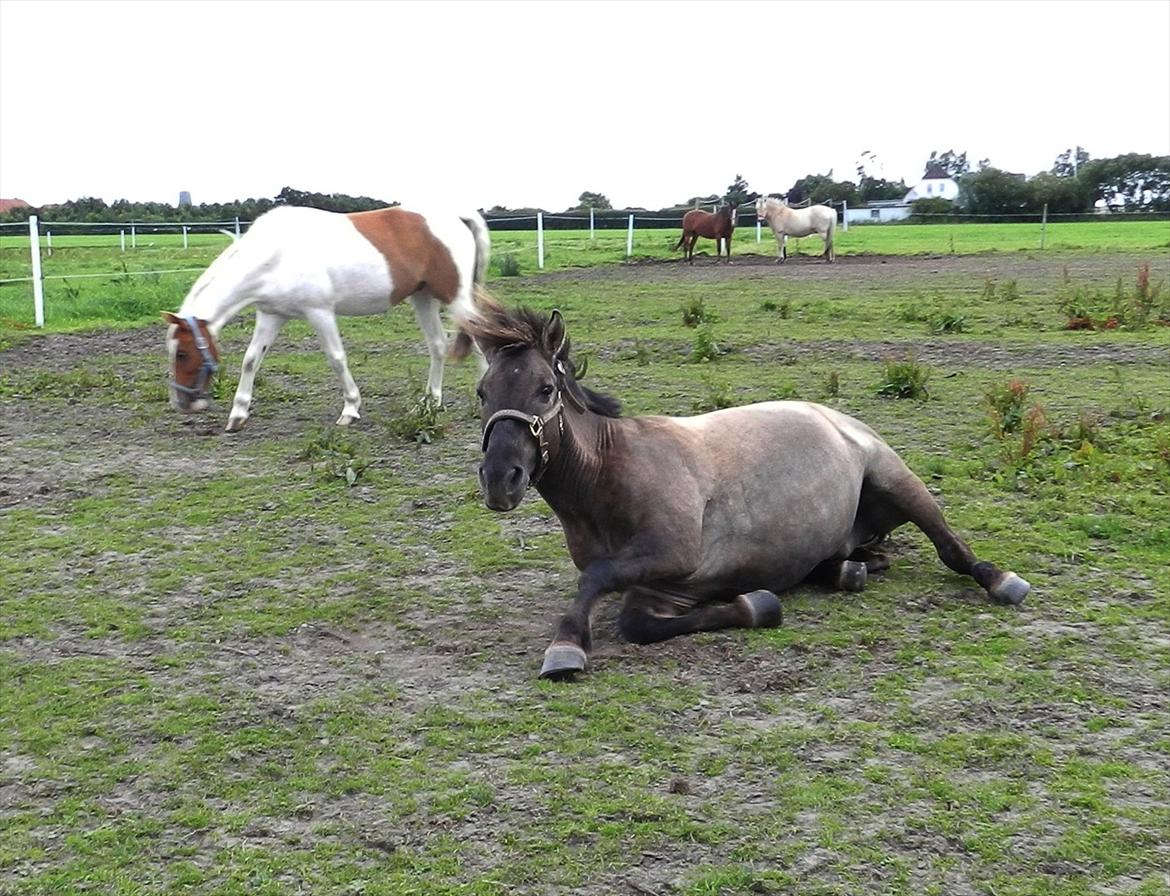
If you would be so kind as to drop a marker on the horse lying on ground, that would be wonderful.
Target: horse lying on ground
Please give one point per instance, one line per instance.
(718, 226)
(786, 222)
(697, 521)
(312, 265)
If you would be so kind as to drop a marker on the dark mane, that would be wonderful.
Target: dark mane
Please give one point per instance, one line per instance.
(496, 328)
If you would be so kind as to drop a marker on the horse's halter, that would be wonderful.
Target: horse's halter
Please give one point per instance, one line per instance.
(206, 369)
(536, 424)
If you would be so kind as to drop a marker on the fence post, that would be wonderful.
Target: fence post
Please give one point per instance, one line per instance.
(1043, 225)
(49, 242)
(630, 238)
(237, 226)
(133, 237)
(540, 240)
(34, 240)
(844, 215)
(591, 223)
(123, 232)
(184, 236)
(757, 227)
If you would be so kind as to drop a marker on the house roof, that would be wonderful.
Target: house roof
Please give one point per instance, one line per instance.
(934, 171)
(6, 205)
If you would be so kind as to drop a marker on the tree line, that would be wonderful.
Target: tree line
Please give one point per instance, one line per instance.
(1075, 184)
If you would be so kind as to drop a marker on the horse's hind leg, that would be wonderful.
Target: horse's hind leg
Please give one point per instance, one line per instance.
(902, 497)
(426, 309)
(647, 617)
(323, 321)
(263, 335)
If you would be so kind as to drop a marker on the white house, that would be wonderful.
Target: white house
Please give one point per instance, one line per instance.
(935, 184)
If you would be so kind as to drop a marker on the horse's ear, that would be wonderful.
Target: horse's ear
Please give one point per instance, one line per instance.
(171, 318)
(555, 335)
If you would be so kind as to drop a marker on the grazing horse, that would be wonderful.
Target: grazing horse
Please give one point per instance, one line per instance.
(697, 521)
(718, 226)
(312, 265)
(786, 222)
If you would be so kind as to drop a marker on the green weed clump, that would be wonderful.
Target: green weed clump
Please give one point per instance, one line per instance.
(1006, 406)
(418, 422)
(706, 349)
(333, 455)
(509, 266)
(1092, 310)
(904, 378)
(694, 313)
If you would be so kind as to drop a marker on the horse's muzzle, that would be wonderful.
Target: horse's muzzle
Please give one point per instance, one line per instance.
(503, 486)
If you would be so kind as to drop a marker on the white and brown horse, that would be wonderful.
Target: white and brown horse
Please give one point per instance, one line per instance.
(697, 521)
(312, 265)
(786, 222)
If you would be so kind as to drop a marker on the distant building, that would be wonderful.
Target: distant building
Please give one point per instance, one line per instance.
(935, 184)
(878, 211)
(184, 199)
(7, 205)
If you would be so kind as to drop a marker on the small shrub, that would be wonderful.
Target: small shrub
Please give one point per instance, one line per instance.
(641, 353)
(705, 347)
(833, 385)
(509, 266)
(694, 313)
(948, 322)
(904, 379)
(718, 396)
(332, 455)
(784, 308)
(418, 422)
(1005, 406)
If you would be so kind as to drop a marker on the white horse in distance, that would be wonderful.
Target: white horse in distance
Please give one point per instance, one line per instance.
(786, 222)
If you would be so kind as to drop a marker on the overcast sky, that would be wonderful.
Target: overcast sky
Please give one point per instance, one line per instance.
(519, 104)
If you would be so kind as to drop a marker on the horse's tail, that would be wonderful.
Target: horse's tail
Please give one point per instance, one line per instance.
(461, 346)
(829, 254)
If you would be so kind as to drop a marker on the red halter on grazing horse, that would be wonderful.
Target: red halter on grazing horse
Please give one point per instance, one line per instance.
(715, 226)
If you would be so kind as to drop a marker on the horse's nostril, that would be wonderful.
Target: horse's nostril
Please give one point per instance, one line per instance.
(515, 476)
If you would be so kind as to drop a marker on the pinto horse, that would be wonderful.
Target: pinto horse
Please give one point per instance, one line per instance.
(718, 226)
(697, 521)
(312, 265)
(786, 222)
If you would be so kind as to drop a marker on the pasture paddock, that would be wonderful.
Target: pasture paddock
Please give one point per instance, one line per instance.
(225, 671)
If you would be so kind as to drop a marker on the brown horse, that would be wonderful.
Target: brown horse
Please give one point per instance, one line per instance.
(698, 521)
(718, 226)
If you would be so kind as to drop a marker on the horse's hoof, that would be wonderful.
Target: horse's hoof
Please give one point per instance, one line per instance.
(852, 575)
(764, 607)
(1010, 589)
(235, 424)
(346, 419)
(562, 661)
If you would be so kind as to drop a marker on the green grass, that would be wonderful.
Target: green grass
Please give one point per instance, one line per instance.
(227, 668)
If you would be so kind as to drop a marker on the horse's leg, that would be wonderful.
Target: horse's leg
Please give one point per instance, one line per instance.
(893, 495)
(648, 617)
(426, 309)
(267, 326)
(783, 251)
(323, 321)
(850, 574)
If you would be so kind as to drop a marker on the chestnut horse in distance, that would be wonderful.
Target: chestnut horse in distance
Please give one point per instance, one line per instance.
(714, 225)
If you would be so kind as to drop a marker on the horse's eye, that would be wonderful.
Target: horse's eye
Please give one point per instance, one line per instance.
(479, 395)
(546, 391)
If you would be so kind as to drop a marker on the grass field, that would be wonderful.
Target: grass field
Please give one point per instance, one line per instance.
(303, 659)
(89, 280)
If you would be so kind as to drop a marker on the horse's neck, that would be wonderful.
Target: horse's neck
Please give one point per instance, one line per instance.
(579, 464)
(225, 289)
